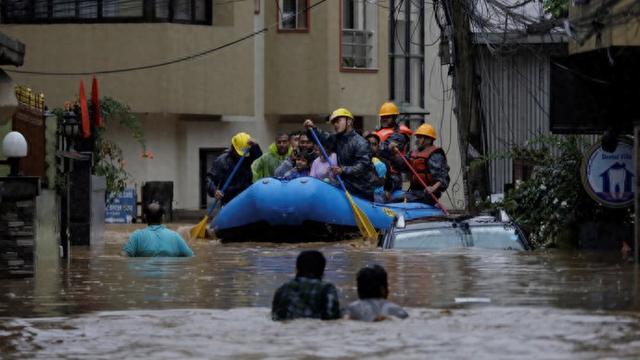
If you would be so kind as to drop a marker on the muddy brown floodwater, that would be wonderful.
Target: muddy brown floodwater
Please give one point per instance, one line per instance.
(466, 303)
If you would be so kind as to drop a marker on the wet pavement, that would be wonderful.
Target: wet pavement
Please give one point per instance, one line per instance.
(462, 303)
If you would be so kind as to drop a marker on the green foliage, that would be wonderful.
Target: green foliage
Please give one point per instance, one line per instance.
(109, 160)
(552, 203)
(108, 157)
(557, 8)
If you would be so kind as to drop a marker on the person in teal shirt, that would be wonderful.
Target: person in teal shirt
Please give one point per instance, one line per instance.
(156, 240)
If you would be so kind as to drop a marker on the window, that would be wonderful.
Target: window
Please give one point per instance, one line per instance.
(293, 15)
(70, 11)
(359, 34)
(406, 53)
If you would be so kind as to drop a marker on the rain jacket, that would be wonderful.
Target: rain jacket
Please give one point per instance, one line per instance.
(222, 168)
(266, 165)
(354, 156)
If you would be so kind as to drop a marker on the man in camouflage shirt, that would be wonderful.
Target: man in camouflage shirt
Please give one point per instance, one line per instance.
(307, 296)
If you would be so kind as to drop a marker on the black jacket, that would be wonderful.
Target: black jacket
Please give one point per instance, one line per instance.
(354, 156)
(223, 166)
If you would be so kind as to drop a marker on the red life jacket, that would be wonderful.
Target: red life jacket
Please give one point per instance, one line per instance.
(384, 133)
(420, 163)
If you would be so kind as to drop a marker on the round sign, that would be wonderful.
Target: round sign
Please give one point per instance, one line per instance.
(608, 176)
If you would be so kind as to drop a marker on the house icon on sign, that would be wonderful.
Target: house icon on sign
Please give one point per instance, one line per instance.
(617, 181)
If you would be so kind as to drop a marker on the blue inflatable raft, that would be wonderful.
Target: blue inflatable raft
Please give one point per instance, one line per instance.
(303, 209)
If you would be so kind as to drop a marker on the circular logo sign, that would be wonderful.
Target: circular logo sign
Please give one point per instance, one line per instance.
(608, 176)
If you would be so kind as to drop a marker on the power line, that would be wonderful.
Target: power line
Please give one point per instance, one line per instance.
(161, 64)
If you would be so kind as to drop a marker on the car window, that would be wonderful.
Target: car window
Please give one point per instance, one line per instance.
(495, 237)
(431, 239)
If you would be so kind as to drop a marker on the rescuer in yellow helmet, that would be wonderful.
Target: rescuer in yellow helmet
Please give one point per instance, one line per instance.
(430, 165)
(352, 150)
(241, 145)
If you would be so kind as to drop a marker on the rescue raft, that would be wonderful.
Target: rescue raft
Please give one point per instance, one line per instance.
(301, 210)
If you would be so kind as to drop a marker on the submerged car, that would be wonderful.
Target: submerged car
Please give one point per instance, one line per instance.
(487, 232)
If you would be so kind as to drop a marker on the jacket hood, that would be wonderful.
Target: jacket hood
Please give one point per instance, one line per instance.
(273, 149)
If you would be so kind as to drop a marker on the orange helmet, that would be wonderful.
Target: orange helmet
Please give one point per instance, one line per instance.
(388, 109)
(426, 130)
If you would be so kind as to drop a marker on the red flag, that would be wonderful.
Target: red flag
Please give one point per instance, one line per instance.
(84, 110)
(95, 101)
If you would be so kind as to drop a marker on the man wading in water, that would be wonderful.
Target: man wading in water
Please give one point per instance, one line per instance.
(155, 240)
(307, 296)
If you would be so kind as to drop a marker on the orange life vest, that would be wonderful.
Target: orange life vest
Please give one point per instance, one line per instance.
(420, 163)
(384, 133)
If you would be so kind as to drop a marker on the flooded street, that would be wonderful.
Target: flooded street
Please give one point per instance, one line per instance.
(462, 303)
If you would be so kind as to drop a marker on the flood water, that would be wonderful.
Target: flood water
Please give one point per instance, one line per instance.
(466, 303)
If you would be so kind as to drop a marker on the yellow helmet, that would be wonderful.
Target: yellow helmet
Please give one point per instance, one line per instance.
(339, 113)
(240, 142)
(426, 130)
(388, 109)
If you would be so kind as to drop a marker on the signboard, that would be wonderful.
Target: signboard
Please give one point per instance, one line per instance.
(608, 176)
(122, 208)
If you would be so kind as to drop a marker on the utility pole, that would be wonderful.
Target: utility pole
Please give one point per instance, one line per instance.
(475, 175)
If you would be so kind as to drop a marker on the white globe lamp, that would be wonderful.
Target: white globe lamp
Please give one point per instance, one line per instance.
(14, 147)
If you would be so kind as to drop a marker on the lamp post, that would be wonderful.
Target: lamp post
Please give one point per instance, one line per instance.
(14, 147)
(70, 128)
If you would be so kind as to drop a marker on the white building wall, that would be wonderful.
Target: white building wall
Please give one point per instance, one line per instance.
(176, 145)
(440, 102)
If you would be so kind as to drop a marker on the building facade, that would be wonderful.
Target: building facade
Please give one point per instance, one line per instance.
(197, 72)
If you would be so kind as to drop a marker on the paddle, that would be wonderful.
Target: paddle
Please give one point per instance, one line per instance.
(199, 230)
(423, 183)
(364, 224)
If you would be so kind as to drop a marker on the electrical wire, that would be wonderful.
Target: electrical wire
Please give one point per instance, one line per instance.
(160, 64)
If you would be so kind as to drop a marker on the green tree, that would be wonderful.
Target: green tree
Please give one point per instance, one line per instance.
(552, 203)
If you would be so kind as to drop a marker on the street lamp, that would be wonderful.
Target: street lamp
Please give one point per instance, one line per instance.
(14, 147)
(70, 127)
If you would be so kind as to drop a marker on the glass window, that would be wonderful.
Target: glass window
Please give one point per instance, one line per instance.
(69, 11)
(41, 8)
(17, 8)
(293, 14)
(122, 8)
(162, 9)
(201, 10)
(182, 9)
(88, 9)
(63, 9)
(429, 239)
(406, 53)
(359, 34)
(503, 237)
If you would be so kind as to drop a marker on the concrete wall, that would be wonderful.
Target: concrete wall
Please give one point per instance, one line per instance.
(175, 142)
(303, 68)
(218, 83)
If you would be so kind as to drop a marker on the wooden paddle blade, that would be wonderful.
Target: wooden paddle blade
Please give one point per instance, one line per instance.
(365, 226)
(199, 231)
